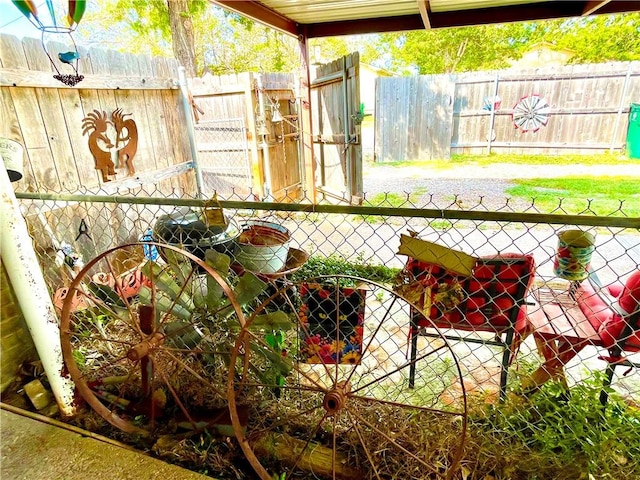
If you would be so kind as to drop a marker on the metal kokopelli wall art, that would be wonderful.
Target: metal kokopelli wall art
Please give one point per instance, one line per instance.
(112, 142)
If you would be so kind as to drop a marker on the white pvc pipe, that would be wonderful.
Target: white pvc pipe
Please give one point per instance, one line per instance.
(19, 258)
(186, 105)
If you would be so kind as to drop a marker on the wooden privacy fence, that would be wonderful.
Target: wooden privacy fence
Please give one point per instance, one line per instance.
(246, 137)
(48, 118)
(577, 109)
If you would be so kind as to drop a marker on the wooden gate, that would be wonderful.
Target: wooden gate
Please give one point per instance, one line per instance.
(335, 99)
(247, 135)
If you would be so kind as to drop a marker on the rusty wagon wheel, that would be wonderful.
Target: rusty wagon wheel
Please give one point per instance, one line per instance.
(339, 404)
(148, 342)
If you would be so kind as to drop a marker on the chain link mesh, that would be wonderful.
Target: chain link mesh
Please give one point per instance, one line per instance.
(550, 375)
(223, 156)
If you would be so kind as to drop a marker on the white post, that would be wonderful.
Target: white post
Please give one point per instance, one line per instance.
(19, 257)
(492, 116)
(186, 105)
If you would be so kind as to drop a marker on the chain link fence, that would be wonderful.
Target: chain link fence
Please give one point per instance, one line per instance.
(223, 156)
(540, 369)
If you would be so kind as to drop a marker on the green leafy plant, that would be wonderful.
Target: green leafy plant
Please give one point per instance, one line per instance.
(198, 304)
(337, 264)
(561, 435)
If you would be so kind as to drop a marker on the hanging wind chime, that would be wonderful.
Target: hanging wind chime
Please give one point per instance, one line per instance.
(57, 24)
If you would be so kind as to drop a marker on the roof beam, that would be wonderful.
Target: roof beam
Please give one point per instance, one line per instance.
(593, 6)
(426, 18)
(619, 6)
(258, 12)
(365, 25)
(506, 14)
(425, 11)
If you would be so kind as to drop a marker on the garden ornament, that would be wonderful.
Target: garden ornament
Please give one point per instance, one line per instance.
(126, 135)
(531, 113)
(106, 149)
(57, 21)
(83, 229)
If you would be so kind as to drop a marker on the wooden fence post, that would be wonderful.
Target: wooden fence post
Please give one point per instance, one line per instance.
(257, 177)
(623, 95)
(309, 184)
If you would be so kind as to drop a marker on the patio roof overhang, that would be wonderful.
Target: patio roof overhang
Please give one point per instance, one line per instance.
(325, 18)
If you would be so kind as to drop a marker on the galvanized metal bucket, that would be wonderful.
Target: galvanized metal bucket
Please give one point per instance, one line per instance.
(263, 247)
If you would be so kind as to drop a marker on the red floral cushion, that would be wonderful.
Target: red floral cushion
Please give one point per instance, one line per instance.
(487, 297)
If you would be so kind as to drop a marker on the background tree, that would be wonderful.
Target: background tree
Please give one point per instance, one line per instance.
(158, 27)
(207, 38)
(595, 39)
(450, 50)
(181, 27)
(241, 45)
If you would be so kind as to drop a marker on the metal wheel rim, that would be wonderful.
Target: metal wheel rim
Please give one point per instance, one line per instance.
(338, 394)
(67, 334)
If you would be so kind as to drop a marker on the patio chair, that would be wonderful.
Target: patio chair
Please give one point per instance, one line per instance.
(490, 301)
(614, 312)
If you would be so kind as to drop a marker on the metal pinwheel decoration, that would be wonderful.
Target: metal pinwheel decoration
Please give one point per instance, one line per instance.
(531, 113)
(54, 21)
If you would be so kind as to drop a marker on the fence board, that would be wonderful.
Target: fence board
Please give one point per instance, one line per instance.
(35, 138)
(13, 55)
(10, 128)
(413, 117)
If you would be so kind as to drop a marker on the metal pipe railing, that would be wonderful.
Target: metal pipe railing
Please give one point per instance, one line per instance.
(443, 214)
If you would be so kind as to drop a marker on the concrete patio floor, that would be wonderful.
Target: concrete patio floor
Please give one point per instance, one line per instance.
(34, 450)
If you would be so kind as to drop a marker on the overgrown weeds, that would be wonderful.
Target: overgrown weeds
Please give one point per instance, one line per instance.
(555, 434)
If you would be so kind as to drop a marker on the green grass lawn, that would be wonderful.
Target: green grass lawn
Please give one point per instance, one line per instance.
(518, 159)
(603, 195)
(607, 195)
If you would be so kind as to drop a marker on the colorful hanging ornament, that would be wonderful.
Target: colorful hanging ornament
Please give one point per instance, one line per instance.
(57, 23)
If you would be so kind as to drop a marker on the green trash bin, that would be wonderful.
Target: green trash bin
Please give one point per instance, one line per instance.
(633, 132)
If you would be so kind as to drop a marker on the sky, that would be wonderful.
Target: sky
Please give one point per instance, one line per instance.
(13, 22)
(88, 34)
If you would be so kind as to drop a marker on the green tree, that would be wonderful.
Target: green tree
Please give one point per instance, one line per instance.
(154, 26)
(599, 38)
(327, 49)
(241, 45)
(200, 36)
(449, 50)
(209, 38)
